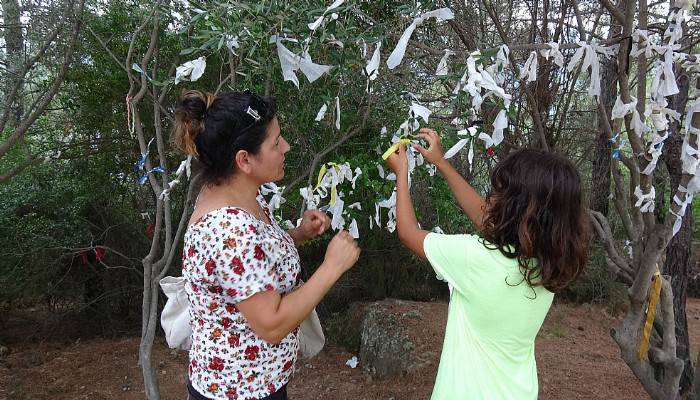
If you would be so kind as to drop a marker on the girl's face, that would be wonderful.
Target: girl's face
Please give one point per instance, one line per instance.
(268, 164)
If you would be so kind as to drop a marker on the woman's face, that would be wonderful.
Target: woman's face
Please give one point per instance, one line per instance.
(269, 162)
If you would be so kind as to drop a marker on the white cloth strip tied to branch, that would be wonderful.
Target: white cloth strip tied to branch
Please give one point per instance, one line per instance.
(690, 152)
(372, 68)
(621, 109)
(655, 149)
(396, 56)
(529, 70)
(645, 201)
(291, 63)
(321, 113)
(664, 82)
(589, 54)
(499, 124)
(191, 70)
(184, 168)
(319, 21)
(683, 204)
(553, 51)
(277, 200)
(475, 79)
(420, 111)
(442, 68)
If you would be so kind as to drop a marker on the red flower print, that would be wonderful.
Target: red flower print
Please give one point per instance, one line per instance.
(259, 254)
(237, 266)
(216, 333)
(269, 287)
(213, 306)
(226, 322)
(216, 289)
(200, 322)
(232, 211)
(230, 243)
(251, 352)
(190, 251)
(231, 394)
(209, 266)
(214, 387)
(234, 340)
(231, 292)
(216, 364)
(287, 365)
(490, 152)
(271, 388)
(195, 288)
(230, 308)
(253, 228)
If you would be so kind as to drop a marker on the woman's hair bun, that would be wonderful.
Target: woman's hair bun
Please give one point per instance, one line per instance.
(190, 116)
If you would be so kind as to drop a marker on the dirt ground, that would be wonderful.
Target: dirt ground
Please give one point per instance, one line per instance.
(576, 359)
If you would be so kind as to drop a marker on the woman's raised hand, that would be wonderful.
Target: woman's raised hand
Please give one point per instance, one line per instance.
(342, 252)
(434, 153)
(313, 223)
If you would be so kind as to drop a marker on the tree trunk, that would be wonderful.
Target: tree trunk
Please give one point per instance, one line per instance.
(677, 264)
(14, 40)
(148, 331)
(600, 173)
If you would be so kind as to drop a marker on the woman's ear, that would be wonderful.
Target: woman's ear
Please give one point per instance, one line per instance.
(242, 162)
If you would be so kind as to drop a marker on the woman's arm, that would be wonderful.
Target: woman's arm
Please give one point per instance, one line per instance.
(468, 199)
(406, 223)
(272, 316)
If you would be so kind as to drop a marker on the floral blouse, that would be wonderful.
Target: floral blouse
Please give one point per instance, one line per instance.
(229, 256)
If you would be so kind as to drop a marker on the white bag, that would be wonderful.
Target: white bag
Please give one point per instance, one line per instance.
(311, 338)
(175, 318)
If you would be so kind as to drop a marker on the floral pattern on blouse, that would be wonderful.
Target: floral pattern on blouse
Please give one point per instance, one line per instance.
(229, 256)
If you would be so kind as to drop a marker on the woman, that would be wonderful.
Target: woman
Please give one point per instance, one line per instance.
(242, 269)
(532, 244)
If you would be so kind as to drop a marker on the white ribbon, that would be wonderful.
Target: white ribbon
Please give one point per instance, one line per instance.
(645, 201)
(442, 69)
(529, 70)
(499, 124)
(291, 62)
(191, 70)
(321, 112)
(420, 111)
(553, 51)
(372, 67)
(337, 113)
(398, 53)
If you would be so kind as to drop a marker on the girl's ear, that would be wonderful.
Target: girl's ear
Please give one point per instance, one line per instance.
(242, 162)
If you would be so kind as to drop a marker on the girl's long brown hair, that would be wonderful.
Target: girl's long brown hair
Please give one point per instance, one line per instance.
(535, 213)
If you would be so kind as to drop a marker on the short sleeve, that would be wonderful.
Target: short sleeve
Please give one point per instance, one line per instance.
(243, 266)
(450, 257)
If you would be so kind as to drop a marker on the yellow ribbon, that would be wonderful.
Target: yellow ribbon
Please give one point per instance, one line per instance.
(395, 147)
(321, 173)
(654, 293)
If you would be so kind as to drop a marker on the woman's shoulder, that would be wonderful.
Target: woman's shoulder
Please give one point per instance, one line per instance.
(225, 217)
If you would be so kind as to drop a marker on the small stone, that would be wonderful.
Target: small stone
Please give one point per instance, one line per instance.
(580, 328)
(163, 372)
(126, 388)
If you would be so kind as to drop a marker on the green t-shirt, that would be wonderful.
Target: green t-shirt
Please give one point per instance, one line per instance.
(493, 319)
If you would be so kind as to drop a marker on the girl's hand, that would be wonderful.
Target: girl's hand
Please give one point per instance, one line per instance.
(313, 223)
(434, 153)
(398, 161)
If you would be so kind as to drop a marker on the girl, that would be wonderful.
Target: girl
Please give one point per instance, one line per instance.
(242, 269)
(532, 244)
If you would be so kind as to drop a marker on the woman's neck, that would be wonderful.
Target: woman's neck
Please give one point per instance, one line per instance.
(236, 191)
